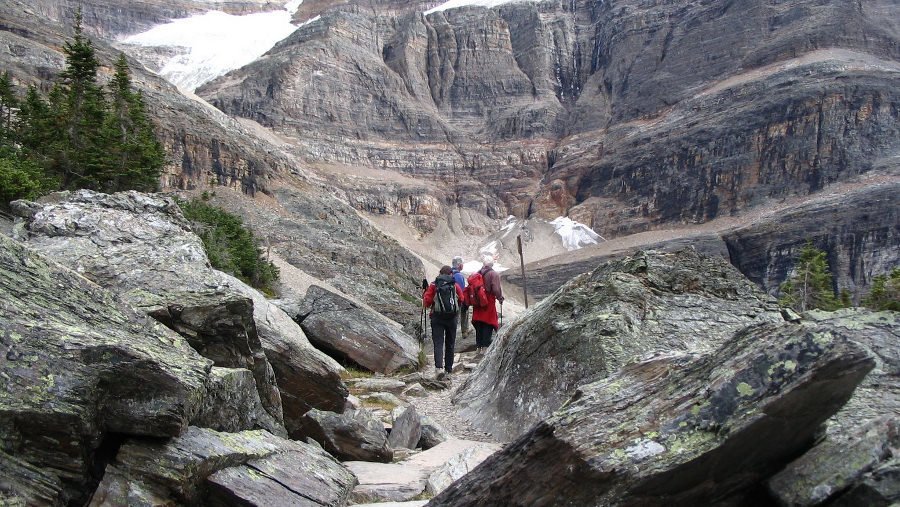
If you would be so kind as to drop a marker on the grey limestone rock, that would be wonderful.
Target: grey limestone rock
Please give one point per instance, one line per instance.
(407, 428)
(352, 333)
(351, 435)
(246, 468)
(600, 321)
(680, 429)
(140, 246)
(232, 404)
(77, 364)
(22, 483)
(433, 433)
(838, 468)
(856, 462)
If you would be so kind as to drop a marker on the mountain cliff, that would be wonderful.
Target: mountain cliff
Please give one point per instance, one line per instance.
(626, 115)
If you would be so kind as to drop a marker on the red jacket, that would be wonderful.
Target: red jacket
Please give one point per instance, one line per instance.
(428, 299)
(494, 292)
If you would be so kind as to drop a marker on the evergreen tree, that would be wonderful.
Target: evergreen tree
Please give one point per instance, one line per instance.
(885, 292)
(81, 159)
(810, 286)
(136, 156)
(8, 103)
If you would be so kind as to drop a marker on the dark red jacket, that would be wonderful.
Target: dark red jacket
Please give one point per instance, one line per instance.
(494, 292)
(428, 299)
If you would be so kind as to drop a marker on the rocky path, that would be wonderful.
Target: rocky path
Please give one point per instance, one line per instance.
(437, 405)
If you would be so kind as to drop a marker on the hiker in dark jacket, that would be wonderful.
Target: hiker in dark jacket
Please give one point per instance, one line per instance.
(457, 265)
(443, 296)
(485, 319)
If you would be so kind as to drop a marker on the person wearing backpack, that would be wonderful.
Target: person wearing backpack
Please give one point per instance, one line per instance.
(457, 265)
(444, 298)
(482, 294)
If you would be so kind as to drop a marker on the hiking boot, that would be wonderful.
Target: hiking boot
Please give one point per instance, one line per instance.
(440, 375)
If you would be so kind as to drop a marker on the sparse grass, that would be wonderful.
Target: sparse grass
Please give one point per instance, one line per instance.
(425, 495)
(384, 405)
(352, 371)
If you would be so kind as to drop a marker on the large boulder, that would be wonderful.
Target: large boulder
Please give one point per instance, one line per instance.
(407, 428)
(140, 246)
(22, 483)
(349, 332)
(232, 404)
(679, 429)
(78, 365)
(408, 479)
(352, 435)
(857, 462)
(205, 466)
(601, 321)
(219, 324)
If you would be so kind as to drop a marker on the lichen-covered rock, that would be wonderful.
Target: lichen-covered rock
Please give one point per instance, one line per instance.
(219, 324)
(406, 429)
(232, 404)
(601, 321)
(679, 429)
(348, 331)
(352, 435)
(78, 364)
(140, 246)
(22, 483)
(836, 467)
(242, 468)
(305, 478)
(857, 462)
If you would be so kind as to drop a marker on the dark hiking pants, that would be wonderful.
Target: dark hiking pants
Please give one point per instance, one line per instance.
(443, 334)
(483, 334)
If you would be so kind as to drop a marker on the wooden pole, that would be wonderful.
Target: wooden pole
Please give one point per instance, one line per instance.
(522, 265)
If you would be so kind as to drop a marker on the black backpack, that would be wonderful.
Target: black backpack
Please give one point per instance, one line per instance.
(445, 304)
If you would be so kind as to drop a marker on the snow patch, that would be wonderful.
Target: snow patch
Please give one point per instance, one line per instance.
(452, 4)
(575, 235)
(215, 43)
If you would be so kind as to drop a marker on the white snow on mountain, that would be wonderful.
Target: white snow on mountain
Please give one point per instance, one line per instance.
(574, 234)
(452, 4)
(215, 43)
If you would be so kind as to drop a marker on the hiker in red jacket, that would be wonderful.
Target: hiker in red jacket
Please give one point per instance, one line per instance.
(444, 298)
(485, 318)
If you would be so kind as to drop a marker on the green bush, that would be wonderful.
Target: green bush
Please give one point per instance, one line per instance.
(230, 246)
(885, 293)
(21, 179)
(810, 285)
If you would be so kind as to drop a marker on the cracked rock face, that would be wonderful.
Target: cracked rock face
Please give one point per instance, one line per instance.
(600, 321)
(141, 247)
(352, 333)
(76, 364)
(680, 429)
(204, 466)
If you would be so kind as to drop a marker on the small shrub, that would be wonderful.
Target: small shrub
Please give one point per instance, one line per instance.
(230, 246)
(885, 292)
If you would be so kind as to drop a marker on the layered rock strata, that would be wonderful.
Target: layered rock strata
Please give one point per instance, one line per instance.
(679, 429)
(652, 302)
(354, 334)
(140, 246)
(77, 366)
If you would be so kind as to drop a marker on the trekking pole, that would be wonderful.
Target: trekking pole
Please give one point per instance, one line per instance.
(501, 314)
(424, 318)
